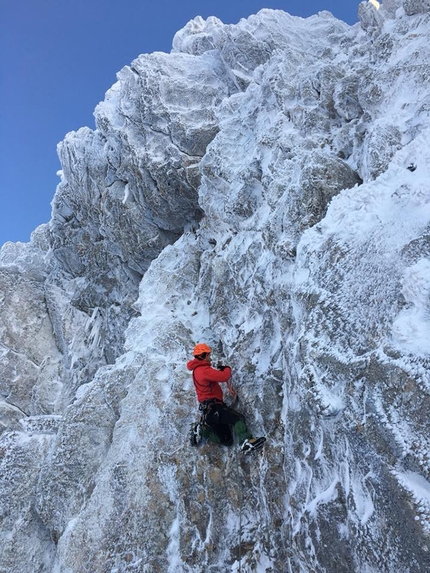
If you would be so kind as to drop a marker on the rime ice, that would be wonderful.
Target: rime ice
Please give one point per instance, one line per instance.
(250, 189)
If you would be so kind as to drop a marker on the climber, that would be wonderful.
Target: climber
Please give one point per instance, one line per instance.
(217, 419)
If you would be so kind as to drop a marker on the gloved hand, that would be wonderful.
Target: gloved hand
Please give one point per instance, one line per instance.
(221, 366)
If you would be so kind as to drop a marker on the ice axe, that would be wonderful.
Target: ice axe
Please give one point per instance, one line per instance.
(233, 393)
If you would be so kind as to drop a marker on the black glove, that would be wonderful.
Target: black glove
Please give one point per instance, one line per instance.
(220, 366)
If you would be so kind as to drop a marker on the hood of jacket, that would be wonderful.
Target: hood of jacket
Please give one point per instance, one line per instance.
(194, 363)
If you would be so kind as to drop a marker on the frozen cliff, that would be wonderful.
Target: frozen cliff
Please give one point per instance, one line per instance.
(264, 188)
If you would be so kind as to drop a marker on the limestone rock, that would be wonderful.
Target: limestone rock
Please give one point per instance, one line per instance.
(30, 360)
(263, 188)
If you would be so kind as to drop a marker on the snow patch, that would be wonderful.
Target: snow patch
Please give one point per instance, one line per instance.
(411, 327)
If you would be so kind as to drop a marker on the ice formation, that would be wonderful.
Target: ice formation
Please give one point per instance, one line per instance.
(263, 188)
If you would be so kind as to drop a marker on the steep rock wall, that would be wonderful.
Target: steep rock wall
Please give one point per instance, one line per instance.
(304, 263)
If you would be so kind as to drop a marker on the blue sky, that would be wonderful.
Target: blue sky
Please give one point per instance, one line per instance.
(57, 60)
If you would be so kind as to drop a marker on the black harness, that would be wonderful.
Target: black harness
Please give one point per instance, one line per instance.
(206, 408)
(209, 404)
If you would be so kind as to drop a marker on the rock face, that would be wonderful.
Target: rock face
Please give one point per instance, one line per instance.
(262, 188)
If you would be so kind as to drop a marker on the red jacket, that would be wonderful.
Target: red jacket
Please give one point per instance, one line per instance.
(207, 379)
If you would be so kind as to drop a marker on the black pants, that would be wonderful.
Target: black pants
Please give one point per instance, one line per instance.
(221, 420)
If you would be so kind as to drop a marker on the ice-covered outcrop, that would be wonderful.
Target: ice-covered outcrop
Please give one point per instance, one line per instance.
(263, 188)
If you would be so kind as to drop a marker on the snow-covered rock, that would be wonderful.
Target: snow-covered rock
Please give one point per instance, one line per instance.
(262, 188)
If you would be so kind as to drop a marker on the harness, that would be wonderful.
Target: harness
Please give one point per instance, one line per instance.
(206, 406)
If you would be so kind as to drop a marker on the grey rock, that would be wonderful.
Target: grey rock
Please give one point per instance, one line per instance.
(370, 17)
(30, 357)
(321, 179)
(416, 6)
(380, 145)
(26, 543)
(251, 190)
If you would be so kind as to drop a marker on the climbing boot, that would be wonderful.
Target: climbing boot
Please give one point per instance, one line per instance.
(252, 444)
(195, 433)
